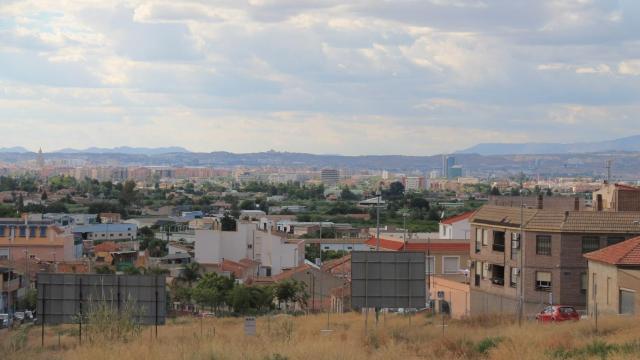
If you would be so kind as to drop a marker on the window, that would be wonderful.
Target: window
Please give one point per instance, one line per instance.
(478, 240)
(485, 237)
(32, 231)
(498, 241)
(4, 253)
(515, 275)
(590, 243)
(450, 264)
(497, 274)
(23, 231)
(543, 245)
(612, 240)
(584, 281)
(543, 281)
(431, 265)
(1, 230)
(485, 270)
(43, 231)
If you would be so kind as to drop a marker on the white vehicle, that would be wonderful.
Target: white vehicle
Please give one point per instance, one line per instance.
(5, 321)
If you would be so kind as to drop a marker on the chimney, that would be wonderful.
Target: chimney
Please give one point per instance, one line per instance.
(599, 202)
(576, 204)
(540, 202)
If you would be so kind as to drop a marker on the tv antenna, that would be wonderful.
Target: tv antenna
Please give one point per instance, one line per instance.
(608, 165)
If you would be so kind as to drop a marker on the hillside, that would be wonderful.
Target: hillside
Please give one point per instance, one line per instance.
(631, 143)
(396, 337)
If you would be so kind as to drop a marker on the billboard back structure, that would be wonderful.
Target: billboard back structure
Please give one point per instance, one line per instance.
(385, 279)
(62, 298)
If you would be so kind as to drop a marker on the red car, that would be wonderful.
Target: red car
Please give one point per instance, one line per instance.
(557, 313)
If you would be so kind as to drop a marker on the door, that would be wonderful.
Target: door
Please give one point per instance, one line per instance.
(627, 302)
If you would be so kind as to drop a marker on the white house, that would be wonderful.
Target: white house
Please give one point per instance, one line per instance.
(456, 227)
(272, 250)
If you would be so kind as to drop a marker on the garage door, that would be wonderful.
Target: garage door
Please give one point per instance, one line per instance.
(627, 302)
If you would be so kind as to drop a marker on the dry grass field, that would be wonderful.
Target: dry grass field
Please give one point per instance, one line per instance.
(395, 337)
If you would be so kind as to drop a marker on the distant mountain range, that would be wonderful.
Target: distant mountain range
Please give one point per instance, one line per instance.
(15, 149)
(126, 150)
(631, 143)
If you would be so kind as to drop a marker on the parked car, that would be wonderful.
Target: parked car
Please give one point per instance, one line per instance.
(5, 321)
(18, 317)
(28, 315)
(558, 313)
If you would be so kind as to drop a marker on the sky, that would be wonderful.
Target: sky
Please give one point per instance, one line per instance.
(409, 77)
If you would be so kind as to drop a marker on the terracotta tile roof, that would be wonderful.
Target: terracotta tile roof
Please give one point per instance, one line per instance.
(108, 246)
(624, 253)
(605, 222)
(457, 218)
(627, 187)
(289, 273)
(398, 245)
(331, 264)
(501, 216)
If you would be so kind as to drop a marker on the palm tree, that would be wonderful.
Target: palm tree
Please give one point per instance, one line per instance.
(190, 272)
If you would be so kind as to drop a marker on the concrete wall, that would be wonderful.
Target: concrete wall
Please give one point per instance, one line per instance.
(455, 293)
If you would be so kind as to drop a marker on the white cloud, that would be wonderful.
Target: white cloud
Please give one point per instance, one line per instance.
(324, 76)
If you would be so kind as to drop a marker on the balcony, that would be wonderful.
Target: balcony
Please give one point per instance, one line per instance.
(497, 281)
(11, 285)
(498, 247)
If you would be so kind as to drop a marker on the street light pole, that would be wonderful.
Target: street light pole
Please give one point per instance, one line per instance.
(378, 221)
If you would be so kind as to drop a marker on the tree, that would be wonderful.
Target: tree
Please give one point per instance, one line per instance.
(396, 190)
(98, 219)
(347, 195)
(250, 299)
(44, 196)
(228, 223)
(128, 193)
(131, 270)
(291, 291)
(29, 300)
(212, 290)
(104, 269)
(190, 272)
(495, 191)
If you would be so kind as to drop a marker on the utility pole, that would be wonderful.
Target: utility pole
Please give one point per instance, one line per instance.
(521, 243)
(378, 221)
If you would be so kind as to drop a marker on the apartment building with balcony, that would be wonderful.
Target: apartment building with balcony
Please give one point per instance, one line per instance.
(41, 240)
(553, 242)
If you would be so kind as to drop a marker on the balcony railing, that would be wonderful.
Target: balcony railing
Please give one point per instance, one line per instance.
(11, 285)
(498, 247)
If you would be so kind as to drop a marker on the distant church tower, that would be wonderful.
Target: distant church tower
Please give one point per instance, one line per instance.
(40, 159)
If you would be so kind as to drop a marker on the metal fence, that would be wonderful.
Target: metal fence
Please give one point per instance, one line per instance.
(385, 279)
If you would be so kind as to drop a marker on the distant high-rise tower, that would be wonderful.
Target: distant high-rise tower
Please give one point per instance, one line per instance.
(330, 177)
(40, 159)
(447, 163)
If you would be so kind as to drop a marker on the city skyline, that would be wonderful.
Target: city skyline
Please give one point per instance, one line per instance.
(323, 77)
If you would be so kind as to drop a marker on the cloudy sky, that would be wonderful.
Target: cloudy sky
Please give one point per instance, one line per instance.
(323, 76)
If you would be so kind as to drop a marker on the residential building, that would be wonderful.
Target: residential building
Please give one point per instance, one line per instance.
(553, 243)
(10, 284)
(448, 260)
(614, 279)
(102, 232)
(456, 227)
(36, 239)
(330, 177)
(414, 183)
(272, 249)
(616, 197)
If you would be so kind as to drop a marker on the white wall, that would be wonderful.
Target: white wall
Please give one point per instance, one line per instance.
(211, 246)
(458, 230)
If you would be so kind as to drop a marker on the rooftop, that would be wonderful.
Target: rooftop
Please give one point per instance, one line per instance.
(458, 218)
(560, 221)
(626, 253)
